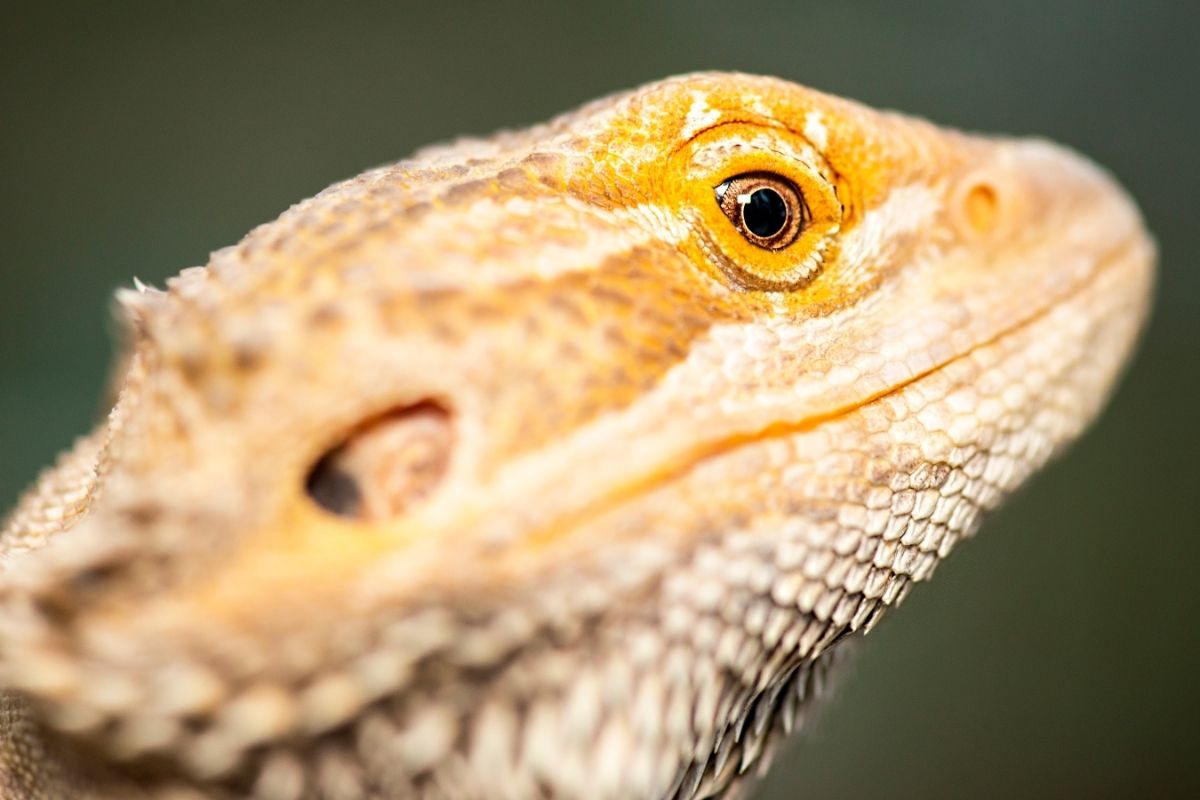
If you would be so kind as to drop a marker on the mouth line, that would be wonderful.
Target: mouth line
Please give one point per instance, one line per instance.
(785, 427)
(678, 465)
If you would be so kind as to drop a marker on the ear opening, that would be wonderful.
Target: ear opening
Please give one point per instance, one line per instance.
(385, 465)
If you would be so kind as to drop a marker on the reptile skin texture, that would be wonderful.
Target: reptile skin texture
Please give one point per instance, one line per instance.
(522, 469)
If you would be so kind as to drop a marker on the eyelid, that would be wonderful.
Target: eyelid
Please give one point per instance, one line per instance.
(698, 174)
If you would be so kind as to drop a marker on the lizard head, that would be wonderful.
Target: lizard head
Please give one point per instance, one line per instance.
(667, 394)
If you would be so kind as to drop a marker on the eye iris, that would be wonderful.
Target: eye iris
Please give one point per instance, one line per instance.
(765, 213)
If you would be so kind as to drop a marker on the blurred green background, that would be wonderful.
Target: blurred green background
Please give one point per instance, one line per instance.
(1056, 655)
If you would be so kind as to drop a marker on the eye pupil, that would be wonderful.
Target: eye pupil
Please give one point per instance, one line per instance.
(766, 209)
(765, 213)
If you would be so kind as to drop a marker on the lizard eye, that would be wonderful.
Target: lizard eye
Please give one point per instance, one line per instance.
(766, 209)
(762, 205)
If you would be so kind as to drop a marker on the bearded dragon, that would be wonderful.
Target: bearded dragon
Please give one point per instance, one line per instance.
(558, 463)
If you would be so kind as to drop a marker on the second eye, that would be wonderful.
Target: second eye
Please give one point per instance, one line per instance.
(765, 208)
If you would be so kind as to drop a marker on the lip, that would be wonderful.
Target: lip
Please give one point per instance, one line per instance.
(1137, 252)
(1103, 265)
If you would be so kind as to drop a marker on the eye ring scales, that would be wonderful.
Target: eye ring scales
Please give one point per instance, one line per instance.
(767, 210)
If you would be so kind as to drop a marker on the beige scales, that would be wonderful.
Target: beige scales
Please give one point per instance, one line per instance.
(556, 464)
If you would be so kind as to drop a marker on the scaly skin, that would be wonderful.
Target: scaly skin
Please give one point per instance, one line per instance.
(614, 481)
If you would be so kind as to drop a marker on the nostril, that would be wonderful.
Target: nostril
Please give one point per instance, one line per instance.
(982, 204)
(385, 465)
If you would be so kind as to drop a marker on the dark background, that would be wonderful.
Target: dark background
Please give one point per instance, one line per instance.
(1054, 656)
